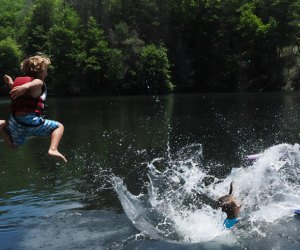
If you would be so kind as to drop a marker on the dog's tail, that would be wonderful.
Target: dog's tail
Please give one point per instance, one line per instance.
(231, 188)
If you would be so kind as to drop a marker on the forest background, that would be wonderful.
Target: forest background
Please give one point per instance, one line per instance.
(155, 46)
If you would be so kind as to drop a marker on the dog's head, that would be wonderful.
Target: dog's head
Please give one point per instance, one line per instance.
(229, 205)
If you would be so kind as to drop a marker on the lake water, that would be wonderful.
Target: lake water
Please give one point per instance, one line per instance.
(143, 173)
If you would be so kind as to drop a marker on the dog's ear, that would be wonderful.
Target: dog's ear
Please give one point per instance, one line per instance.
(231, 189)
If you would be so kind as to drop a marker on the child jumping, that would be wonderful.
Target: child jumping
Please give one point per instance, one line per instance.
(28, 94)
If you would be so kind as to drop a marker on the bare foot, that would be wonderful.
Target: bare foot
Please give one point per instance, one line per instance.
(5, 134)
(2, 123)
(56, 154)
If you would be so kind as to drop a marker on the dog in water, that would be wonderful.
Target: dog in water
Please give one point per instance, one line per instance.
(230, 206)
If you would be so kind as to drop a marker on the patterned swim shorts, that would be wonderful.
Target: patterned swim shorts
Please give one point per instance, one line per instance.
(21, 127)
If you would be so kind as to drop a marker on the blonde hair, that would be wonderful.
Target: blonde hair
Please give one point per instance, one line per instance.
(35, 64)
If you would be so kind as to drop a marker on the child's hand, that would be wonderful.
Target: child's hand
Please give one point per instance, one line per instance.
(18, 91)
(8, 80)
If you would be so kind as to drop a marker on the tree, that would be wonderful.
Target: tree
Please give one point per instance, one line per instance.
(40, 21)
(130, 45)
(212, 45)
(12, 15)
(10, 56)
(96, 52)
(153, 75)
(102, 67)
(65, 49)
(116, 70)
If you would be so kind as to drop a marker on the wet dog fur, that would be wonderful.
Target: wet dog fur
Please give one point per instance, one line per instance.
(229, 205)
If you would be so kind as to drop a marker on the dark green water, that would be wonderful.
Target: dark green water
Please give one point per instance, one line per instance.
(48, 205)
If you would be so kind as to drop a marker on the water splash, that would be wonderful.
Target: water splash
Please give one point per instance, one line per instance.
(180, 201)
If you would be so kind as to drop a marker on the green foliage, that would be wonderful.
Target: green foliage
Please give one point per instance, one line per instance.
(10, 56)
(112, 46)
(95, 48)
(249, 22)
(153, 75)
(39, 23)
(102, 66)
(64, 47)
(127, 40)
(130, 45)
(12, 14)
(116, 70)
(251, 26)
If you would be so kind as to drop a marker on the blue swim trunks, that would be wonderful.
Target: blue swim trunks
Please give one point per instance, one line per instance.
(21, 127)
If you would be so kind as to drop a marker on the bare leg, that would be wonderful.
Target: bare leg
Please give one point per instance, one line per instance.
(5, 134)
(55, 139)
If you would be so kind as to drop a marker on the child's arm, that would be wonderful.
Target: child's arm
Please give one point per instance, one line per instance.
(8, 80)
(34, 88)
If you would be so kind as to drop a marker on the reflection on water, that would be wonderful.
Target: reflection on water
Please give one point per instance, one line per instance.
(121, 136)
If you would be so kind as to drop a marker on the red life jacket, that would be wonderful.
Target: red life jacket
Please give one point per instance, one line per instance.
(26, 103)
